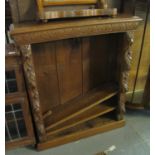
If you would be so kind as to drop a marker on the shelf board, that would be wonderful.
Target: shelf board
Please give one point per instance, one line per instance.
(85, 116)
(76, 107)
(97, 125)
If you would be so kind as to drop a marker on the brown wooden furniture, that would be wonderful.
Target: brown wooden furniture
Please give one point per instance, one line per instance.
(51, 9)
(76, 73)
(18, 124)
(27, 10)
(139, 78)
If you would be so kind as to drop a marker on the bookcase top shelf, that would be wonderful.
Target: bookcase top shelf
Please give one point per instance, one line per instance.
(64, 29)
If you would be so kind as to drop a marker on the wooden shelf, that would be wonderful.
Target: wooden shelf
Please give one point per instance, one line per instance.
(97, 125)
(86, 116)
(78, 106)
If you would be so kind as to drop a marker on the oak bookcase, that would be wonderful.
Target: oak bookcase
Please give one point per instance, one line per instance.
(76, 72)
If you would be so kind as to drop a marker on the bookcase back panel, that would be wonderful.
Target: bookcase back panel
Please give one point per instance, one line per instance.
(44, 58)
(69, 65)
(99, 61)
(68, 69)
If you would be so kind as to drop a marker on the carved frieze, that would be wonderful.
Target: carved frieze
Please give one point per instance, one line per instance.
(52, 34)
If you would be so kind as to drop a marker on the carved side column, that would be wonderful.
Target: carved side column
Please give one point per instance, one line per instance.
(124, 58)
(32, 90)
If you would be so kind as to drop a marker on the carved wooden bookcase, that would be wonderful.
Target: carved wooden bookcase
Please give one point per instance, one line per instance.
(18, 123)
(77, 75)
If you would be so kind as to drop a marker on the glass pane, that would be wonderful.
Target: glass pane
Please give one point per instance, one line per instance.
(15, 124)
(22, 128)
(10, 82)
(19, 114)
(17, 106)
(8, 108)
(6, 135)
(12, 86)
(9, 116)
(10, 75)
(13, 130)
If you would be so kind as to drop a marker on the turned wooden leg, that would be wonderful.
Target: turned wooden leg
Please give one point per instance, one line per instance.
(32, 90)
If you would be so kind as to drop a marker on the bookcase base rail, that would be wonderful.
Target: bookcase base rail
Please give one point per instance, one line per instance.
(81, 134)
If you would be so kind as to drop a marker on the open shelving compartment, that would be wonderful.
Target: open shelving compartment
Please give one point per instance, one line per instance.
(99, 124)
(95, 87)
(89, 103)
(83, 116)
(99, 115)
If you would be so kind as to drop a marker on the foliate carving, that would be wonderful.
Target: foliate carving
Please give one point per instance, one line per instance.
(128, 41)
(32, 88)
(125, 67)
(73, 32)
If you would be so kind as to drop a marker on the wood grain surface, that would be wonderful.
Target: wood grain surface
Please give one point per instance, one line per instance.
(86, 116)
(100, 125)
(74, 108)
(67, 2)
(37, 33)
